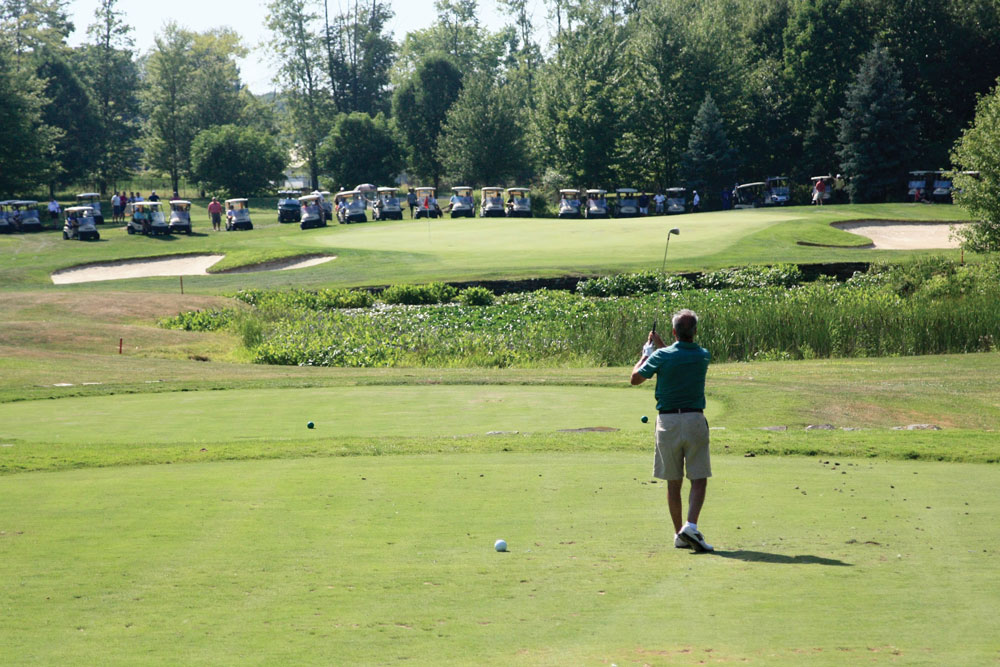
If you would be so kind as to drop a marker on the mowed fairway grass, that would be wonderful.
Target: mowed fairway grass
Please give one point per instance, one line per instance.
(377, 560)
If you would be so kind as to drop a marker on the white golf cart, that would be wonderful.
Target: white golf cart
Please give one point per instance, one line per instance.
(145, 217)
(386, 205)
(749, 195)
(6, 226)
(676, 200)
(326, 202)
(597, 204)
(628, 203)
(569, 203)
(288, 206)
(311, 212)
(461, 204)
(776, 191)
(25, 215)
(93, 200)
(827, 189)
(180, 216)
(491, 203)
(351, 206)
(518, 203)
(80, 224)
(942, 188)
(427, 206)
(238, 215)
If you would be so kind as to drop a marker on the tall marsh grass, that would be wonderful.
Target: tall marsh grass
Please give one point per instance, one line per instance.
(928, 309)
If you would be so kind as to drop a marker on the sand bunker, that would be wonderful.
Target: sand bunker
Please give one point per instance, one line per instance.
(889, 235)
(185, 265)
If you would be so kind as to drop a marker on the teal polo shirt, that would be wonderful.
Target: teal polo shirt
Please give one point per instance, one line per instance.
(680, 375)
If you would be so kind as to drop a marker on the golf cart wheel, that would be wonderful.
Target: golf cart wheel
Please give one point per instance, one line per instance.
(130, 230)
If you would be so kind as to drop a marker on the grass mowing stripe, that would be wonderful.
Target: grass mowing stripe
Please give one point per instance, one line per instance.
(382, 559)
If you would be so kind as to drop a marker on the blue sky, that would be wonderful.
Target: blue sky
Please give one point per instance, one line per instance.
(248, 19)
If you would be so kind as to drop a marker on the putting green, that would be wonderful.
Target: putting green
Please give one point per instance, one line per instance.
(282, 414)
(390, 559)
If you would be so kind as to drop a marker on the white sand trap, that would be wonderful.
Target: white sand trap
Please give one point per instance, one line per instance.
(186, 265)
(888, 235)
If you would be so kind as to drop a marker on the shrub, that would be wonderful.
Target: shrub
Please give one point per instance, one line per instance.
(476, 296)
(417, 295)
(779, 275)
(629, 284)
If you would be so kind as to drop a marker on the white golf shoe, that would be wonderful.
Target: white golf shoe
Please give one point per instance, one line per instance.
(680, 543)
(694, 539)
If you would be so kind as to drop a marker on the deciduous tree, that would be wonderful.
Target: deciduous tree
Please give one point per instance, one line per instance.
(978, 150)
(239, 161)
(361, 149)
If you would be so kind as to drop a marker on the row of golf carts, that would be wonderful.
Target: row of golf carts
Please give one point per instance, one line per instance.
(622, 203)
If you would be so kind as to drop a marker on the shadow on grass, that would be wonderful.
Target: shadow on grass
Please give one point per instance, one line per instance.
(764, 557)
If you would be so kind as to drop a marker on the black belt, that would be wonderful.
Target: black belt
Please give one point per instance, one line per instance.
(676, 411)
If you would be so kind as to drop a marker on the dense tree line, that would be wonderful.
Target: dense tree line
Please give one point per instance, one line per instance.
(647, 93)
(118, 103)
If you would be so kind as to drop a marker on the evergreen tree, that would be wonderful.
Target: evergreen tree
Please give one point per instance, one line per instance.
(978, 150)
(710, 162)
(875, 130)
(482, 139)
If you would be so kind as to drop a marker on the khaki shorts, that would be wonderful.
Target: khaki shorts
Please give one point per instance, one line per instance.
(682, 439)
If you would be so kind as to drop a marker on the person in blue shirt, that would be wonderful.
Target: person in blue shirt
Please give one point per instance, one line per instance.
(681, 428)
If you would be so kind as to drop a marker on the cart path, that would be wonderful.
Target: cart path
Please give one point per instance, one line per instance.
(889, 235)
(187, 265)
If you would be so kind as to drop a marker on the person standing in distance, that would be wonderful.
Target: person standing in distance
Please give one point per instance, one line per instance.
(681, 428)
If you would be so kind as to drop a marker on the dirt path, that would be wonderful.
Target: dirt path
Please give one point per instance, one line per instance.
(888, 235)
(187, 265)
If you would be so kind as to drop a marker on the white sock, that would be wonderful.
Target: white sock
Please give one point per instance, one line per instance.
(694, 526)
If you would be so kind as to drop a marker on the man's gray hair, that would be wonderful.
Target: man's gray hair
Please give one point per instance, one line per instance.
(685, 323)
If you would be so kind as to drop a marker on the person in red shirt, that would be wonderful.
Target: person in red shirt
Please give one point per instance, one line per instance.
(215, 211)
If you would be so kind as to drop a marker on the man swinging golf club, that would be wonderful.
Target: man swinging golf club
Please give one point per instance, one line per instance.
(681, 428)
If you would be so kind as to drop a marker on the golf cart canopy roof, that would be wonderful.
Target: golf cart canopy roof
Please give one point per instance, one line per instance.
(180, 202)
(492, 189)
(288, 192)
(425, 189)
(516, 190)
(756, 185)
(569, 191)
(89, 195)
(308, 198)
(820, 178)
(924, 172)
(676, 190)
(156, 204)
(386, 190)
(596, 191)
(79, 209)
(776, 178)
(461, 188)
(626, 191)
(233, 201)
(347, 193)
(322, 192)
(24, 202)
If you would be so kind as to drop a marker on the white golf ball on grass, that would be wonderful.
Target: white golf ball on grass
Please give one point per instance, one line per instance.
(500, 545)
